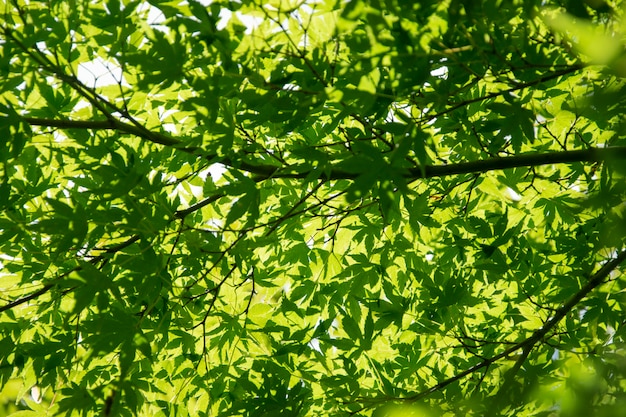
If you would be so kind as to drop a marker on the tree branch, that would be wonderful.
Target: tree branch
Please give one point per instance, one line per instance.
(525, 345)
(495, 94)
(27, 298)
(266, 171)
(522, 160)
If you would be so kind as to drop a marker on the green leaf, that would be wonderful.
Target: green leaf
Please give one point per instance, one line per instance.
(24, 413)
(351, 327)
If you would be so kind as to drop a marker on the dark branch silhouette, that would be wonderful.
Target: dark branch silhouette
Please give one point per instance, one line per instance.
(590, 155)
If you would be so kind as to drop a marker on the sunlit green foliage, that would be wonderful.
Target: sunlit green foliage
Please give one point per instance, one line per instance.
(304, 208)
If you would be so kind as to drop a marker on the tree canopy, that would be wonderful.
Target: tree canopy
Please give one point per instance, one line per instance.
(299, 207)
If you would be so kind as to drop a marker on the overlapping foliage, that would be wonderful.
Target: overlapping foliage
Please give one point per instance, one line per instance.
(288, 208)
